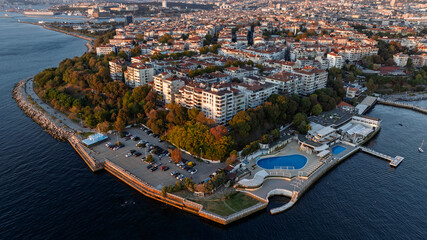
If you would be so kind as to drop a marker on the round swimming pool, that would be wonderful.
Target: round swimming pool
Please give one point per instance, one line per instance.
(294, 161)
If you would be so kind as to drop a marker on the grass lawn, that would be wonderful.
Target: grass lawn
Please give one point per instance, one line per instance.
(235, 203)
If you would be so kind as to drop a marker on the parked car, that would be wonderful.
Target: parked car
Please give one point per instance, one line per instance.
(128, 155)
(132, 151)
(149, 166)
(137, 154)
(164, 168)
(174, 173)
(193, 171)
(153, 169)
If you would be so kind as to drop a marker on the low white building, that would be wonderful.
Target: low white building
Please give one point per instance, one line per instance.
(105, 49)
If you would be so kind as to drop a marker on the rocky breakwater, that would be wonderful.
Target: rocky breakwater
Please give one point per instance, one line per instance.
(38, 114)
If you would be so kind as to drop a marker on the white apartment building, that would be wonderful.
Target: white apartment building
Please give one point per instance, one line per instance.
(312, 79)
(138, 74)
(335, 60)
(105, 49)
(356, 53)
(220, 102)
(286, 82)
(257, 93)
(116, 69)
(167, 85)
(400, 59)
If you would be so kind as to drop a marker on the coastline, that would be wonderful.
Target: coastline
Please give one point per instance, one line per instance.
(90, 40)
(61, 131)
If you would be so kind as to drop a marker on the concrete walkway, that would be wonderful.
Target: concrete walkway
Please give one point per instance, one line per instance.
(61, 119)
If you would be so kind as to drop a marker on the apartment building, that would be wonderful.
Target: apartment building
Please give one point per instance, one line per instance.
(312, 79)
(221, 103)
(335, 60)
(105, 49)
(256, 93)
(356, 53)
(138, 75)
(286, 82)
(167, 85)
(400, 59)
(116, 68)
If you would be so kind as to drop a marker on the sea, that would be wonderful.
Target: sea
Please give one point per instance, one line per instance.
(48, 192)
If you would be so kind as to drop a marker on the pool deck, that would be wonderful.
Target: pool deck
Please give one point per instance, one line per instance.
(291, 182)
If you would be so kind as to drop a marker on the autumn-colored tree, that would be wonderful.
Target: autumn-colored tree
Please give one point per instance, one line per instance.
(232, 158)
(219, 131)
(176, 155)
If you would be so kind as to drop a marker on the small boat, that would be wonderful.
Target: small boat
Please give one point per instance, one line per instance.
(420, 149)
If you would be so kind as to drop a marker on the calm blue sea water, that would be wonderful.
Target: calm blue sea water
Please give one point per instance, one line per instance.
(47, 192)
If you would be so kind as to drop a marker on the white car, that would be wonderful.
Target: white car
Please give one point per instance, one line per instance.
(128, 155)
(194, 171)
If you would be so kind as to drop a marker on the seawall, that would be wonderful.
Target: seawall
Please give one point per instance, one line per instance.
(32, 110)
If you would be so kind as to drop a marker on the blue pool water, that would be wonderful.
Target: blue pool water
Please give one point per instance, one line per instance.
(292, 161)
(337, 149)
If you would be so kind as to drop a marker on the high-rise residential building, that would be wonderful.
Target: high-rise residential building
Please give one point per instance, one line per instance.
(138, 74)
(116, 69)
(167, 85)
(164, 4)
(335, 60)
(128, 19)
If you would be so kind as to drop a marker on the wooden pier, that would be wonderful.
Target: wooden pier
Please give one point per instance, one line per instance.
(394, 161)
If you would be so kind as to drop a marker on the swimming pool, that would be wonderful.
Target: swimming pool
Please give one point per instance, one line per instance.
(295, 161)
(338, 149)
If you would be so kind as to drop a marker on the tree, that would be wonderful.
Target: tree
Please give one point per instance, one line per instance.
(317, 109)
(298, 119)
(232, 158)
(136, 51)
(139, 37)
(372, 87)
(149, 158)
(219, 131)
(240, 123)
(119, 126)
(409, 64)
(122, 54)
(167, 38)
(176, 155)
(204, 50)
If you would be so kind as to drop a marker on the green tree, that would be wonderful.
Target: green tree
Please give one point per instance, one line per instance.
(372, 87)
(317, 109)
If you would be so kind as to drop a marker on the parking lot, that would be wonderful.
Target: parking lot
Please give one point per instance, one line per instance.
(138, 167)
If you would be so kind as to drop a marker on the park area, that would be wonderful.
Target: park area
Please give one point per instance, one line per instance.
(228, 205)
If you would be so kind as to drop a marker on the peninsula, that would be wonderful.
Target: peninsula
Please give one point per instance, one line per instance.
(216, 115)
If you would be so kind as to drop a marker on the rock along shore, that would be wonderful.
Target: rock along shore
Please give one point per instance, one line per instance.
(32, 110)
